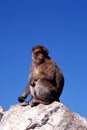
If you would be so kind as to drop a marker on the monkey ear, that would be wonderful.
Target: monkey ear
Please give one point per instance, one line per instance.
(46, 51)
(33, 48)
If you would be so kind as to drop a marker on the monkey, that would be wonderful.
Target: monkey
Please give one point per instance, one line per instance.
(46, 80)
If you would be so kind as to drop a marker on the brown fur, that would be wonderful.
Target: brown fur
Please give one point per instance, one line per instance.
(46, 79)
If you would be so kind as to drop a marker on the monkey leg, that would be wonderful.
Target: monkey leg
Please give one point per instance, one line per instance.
(41, 93)
(35, 102)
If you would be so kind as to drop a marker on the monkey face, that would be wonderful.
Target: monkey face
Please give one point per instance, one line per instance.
(39, 53)
(38, 58)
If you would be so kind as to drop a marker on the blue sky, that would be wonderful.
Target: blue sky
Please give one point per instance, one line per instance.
(61, 26)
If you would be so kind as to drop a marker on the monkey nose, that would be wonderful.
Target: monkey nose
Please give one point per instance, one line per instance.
(40, 56)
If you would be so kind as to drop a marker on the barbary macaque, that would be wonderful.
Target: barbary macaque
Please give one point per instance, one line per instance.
(46, 80)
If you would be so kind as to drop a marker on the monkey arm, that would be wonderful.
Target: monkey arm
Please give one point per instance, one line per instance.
(25, 93)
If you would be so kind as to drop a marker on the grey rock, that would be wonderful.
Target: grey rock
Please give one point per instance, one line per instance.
(55, 116)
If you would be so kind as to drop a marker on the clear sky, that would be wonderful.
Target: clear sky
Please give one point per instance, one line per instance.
(59, 25)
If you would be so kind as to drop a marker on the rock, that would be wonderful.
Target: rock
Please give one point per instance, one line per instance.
(42, 117)
(1, 112)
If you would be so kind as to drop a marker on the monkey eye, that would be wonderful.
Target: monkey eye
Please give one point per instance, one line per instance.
(38, 52)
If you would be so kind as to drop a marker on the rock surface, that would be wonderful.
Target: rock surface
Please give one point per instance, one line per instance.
(42, 117)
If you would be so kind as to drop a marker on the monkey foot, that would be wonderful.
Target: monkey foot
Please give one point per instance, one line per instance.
(32, 104)
(25, 103)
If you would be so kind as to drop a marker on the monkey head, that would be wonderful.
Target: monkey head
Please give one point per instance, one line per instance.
(39, 54)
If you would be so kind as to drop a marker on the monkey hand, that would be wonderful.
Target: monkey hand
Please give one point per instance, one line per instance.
(32, 83)
(21, 99)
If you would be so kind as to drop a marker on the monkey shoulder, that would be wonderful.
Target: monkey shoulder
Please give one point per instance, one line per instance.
(50, 62)
(50, 66)
(57, 69)
(32, 67)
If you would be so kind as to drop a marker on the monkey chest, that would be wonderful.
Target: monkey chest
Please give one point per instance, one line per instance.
(43, 72)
